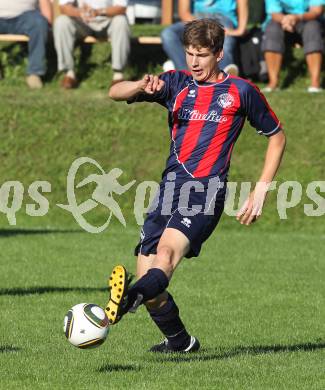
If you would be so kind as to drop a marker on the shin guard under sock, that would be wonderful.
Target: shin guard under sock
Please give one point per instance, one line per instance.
(153, 283)
(168, 321)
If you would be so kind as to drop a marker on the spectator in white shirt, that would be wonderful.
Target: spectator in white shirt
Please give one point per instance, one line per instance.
(99, 18)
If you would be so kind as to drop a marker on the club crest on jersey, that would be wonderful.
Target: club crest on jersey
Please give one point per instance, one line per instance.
(226, 100)
(191, 93)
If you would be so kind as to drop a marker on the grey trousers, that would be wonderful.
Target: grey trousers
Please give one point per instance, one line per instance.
(310, 32)
(67, 30)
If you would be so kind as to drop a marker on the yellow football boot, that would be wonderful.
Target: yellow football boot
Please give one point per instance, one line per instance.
(118, 284)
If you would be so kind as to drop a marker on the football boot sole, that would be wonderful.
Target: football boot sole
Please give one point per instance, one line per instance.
(118, 285)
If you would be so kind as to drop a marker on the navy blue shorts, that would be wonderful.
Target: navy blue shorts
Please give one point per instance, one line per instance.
(195, 221)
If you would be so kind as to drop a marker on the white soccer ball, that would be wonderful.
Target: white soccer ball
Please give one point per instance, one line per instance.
(86, 325)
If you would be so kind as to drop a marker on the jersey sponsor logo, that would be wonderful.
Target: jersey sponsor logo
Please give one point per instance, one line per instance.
(195, 115)
(186, 222)
(226, 100)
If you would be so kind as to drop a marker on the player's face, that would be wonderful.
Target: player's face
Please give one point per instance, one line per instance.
(203, 63)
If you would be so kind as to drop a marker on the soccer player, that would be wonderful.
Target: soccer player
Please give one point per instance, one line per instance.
(207, 110)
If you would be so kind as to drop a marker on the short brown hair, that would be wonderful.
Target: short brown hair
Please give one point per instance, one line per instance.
(204, 33)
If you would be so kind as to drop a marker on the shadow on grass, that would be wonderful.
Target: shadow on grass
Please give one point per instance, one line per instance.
(295, 70)
(17, 232)
(118, 368)
(8, 348)
(21, 291)
(208, 354)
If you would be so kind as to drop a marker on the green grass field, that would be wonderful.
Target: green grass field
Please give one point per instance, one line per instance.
(259, 316)
(260, 311)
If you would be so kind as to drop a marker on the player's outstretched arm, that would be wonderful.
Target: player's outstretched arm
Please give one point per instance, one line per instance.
(252, 208)
(125, 90)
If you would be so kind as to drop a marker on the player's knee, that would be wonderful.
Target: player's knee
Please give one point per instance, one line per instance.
(165, 255)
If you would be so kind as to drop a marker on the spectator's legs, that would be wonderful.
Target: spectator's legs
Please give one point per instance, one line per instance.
(228, 52)
(66, 31)
(273, 48)
(314, 63)
(119, 32)
(5, 26)
(273, 63)
(173, 46)
(313, 48)
(229, 45)
(65, 35)
(33, 24)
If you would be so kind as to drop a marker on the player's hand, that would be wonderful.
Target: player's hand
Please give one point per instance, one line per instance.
(252, 207)
(151, 84)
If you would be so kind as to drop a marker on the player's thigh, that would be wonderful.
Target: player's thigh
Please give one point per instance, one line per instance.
(172, 247)
(144, 263)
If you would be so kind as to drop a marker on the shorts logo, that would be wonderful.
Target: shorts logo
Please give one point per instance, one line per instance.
(192, 93)
(226, 100)
(186, 222)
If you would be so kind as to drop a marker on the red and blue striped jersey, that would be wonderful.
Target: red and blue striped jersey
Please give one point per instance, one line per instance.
(205, 120)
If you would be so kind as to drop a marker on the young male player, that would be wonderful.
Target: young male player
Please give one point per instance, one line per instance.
(207, 110)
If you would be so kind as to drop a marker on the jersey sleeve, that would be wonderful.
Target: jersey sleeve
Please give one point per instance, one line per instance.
(258, 112)
(173, 83)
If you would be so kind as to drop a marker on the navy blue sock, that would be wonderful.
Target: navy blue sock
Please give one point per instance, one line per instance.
(153, 283)
(168, 321)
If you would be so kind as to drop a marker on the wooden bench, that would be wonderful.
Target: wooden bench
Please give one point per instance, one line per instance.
(166, 18)
(24, 38)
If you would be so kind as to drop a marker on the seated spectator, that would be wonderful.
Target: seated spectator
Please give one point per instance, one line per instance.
(299, 17)
(32, 18)
(232, 14)
(99, 18)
